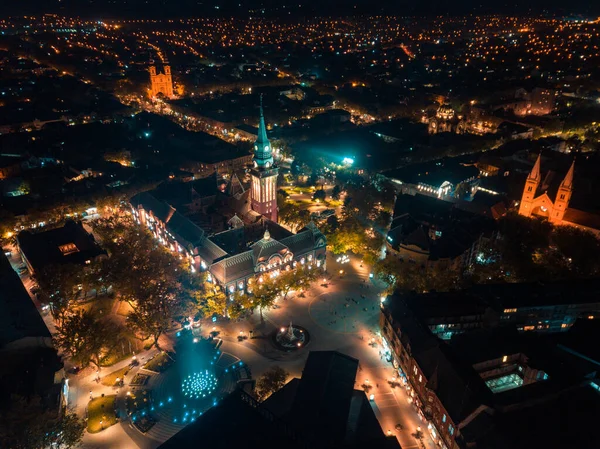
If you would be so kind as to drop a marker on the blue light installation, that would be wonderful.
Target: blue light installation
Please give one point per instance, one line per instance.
(199, 385)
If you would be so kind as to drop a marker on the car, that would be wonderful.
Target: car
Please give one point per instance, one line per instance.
(327, 213)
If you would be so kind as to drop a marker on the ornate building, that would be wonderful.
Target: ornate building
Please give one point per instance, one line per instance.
(264, 174)
(161, 83)
(542, 205)
(254, 246)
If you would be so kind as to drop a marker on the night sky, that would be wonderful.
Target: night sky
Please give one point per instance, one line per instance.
(243, 8)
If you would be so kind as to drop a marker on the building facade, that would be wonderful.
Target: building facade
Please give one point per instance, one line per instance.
(264, 174)
(254, 245)
(542, 205)
(161, 83)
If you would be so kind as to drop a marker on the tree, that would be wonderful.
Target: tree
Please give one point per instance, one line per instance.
(153, 311)
(295, 279)
(214, 301)
(26, 424)
(58, 287)
(270, 382)
(319, 195)
(263, 296)
(84, 337)
(412, 277)
(291, 214)
(335, 192)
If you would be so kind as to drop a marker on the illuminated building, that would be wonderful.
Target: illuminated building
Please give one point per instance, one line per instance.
(264, 174)
(254, 246)
(462, 388)
(537, 201)
(161, 83)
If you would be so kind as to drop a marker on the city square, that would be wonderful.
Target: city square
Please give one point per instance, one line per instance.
(299, 225)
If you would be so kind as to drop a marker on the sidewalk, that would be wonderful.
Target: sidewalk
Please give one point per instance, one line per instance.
(81, 386)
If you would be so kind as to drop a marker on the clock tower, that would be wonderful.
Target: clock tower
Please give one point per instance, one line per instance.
(264, 174)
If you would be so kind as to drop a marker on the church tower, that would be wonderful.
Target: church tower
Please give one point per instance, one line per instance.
(161, 82)
(531, 186)
(264, 174)
(563, 196)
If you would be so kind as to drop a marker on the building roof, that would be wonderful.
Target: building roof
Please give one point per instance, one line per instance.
(455, 383)
(187, 233)
(566, 420)
(582, 218)
(69, 244)
(19, 318)
(237, 421)
(434, 173)
(266, 247)
(179, 193)
(324, 407)
(436, 227)
(235, 267)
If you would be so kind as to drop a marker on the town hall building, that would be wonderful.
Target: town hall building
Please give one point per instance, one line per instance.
(254, 244)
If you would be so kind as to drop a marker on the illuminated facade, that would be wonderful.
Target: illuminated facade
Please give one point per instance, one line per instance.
(264, 174)
(161, 83)
(542, 205)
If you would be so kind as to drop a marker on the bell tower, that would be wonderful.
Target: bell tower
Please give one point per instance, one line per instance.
(264, 174)
(531, 186)
(563, 196)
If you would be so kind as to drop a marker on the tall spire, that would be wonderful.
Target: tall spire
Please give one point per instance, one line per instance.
(262, 129)
(535, 172)
(568, 181)
(263, 153)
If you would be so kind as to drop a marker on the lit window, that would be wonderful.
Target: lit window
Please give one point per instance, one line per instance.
(451, 429)
(510, 310)
(68, 248)
(420, 378)
(504, 359)
(444, 418)
(529, 328)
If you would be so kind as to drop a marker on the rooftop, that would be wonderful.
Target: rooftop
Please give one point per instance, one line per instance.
(19, 318)
(69, 244)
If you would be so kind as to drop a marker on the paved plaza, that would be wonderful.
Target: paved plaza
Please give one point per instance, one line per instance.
(340, 314)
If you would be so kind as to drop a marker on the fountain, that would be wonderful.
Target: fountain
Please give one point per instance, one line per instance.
(291, 338)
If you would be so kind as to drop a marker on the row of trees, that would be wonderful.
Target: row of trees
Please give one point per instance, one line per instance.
(365, 216)
(526, 250)
(535, 250)
(264, 294)
(155, 283)
(28, 424)
(139, 270)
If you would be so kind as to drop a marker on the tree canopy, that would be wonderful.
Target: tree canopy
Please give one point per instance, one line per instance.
(270, 382)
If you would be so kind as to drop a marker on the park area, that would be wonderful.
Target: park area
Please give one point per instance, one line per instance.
(101, 413)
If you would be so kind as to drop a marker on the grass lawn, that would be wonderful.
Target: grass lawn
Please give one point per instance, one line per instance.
(159, 363)
(111, 379)
(101, 409)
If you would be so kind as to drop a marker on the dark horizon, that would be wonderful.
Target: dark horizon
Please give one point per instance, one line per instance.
(154, 9)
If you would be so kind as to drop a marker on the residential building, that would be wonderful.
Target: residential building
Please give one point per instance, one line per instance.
(475, 390)
(31, 366)
(541, 307)
(69, 244)
(428, 231)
